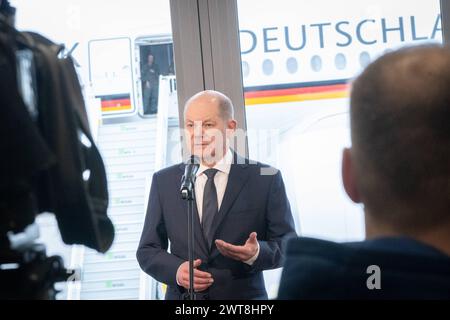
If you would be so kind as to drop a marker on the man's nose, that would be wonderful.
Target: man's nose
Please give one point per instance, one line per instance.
(198, 132)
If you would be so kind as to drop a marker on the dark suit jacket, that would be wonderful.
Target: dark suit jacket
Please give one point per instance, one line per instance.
(252, 202)
(318, 269)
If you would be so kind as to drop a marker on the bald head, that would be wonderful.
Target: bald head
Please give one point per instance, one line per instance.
(400, 111)
(213, 99)
(209, 124)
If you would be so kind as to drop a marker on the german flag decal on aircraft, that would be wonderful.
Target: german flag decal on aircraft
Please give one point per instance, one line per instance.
(116, 102)
(295, 92)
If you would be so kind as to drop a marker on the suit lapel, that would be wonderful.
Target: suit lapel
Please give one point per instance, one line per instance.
(236, 181)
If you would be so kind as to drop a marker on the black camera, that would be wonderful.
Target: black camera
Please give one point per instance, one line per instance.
(49, 162)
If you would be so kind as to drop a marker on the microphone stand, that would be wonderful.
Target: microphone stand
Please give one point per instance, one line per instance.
(188, 194)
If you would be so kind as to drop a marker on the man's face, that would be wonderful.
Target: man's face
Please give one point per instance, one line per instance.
(150, 59)
(206, 131)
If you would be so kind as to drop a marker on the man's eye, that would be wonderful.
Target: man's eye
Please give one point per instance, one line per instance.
(190, 125)
(209, 125)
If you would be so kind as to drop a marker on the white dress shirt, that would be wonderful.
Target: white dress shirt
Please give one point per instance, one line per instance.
(220, 181)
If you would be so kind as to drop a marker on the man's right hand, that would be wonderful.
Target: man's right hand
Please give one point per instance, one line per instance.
(202, 280)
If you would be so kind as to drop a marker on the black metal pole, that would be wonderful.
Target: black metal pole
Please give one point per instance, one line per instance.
(188, 193)
(191, 246)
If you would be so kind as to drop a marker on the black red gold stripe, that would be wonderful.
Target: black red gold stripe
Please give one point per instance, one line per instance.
(296, 92)
(118, 102)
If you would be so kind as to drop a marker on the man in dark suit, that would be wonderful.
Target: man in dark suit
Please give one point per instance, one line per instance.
(242, 214)
(150, 85)
(399, 168)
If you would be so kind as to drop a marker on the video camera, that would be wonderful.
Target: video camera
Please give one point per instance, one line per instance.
(49, 162)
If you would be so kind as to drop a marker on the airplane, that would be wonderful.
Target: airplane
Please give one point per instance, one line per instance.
(297, 67)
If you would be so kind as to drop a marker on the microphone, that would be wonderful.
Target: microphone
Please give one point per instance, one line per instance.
(188, 180)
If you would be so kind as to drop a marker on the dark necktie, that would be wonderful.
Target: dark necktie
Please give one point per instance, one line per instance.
(210, 205)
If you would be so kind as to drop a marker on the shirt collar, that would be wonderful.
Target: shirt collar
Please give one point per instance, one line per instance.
(224, 165)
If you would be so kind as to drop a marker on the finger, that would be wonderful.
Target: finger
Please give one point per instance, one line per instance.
(231, 255)
(197, 284)
(185, 279)
(184, 284)
(197, 263)
(252, 237)
(220, 242)
(220, 246)
(235, 249)
(241, 253)
(224, 245)
(202, 274)
(197, 274)
(185, 268)
(200, 281)
(234, 252)
(222, 250)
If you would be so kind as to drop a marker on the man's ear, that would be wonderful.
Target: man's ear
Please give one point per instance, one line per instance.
(348, 176)
(232, 124)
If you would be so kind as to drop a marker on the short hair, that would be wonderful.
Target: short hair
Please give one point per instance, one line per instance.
(400, 128)
(6, 8)
(225, 104)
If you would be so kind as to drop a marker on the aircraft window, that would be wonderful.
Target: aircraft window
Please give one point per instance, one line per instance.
(340, 61)
(245, 69)
(364, 59)
(292, 65)
(268, 67)
(316, 63)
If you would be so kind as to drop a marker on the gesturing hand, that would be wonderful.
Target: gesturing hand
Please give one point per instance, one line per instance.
(240, 253)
